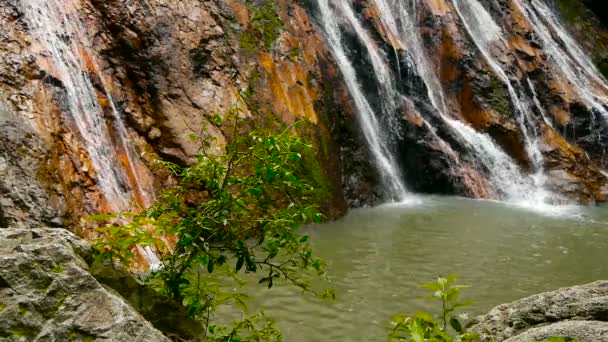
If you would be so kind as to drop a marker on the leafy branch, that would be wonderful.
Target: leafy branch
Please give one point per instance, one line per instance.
(231, 213)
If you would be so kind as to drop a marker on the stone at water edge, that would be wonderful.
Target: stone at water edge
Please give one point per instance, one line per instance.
(578, 330)
(165, 314)
(48, 294)
(579, 313)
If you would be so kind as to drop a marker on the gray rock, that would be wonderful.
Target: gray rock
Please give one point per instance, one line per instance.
(48, 294)
(165, 314)
(579, 312)
(572, 330)
(24, 202)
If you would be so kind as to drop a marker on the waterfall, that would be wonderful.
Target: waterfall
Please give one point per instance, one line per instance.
(502, 171)
(399, 19)
(569, 62)
(488, 36)
(65, 45)
(368, 117)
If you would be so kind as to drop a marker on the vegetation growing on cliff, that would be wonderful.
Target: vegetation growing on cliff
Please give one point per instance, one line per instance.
(265, 25)
(231, 213)
(498, 97)
(571, 9)
(602, 65)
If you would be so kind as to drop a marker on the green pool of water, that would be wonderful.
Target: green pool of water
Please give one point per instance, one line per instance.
(378, 256)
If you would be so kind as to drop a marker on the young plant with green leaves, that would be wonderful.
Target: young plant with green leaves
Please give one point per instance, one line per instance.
(234, 212)
(423, 327)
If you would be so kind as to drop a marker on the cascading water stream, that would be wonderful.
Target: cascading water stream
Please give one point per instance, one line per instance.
(400, 19)
(64, 44)
(487, 35)
(370, 125)
(569, 62)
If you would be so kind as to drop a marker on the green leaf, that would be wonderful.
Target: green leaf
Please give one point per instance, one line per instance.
(456, 325)
(255, 192)
(100, 217)
(239, 263)
(450, 279)
(433, 287)
(470, 337)
(251, 265)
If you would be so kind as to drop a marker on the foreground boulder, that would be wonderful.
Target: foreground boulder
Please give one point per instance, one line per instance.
(579, 313)
(47, 293)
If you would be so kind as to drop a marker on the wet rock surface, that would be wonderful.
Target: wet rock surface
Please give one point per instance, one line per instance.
(24, 201)
(579, 313)
(48, 294)
(534, 88)
(168, 68)
(163, 313)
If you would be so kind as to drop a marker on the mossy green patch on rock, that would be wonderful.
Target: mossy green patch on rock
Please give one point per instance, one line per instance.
(23, 309)
(571, 9)
(266, 26)
(57, 268)
(602, 66)
(498, 98)
(43, 283)
(24, 331)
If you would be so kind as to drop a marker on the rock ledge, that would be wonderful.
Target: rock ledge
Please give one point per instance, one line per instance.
(48, 294)
(579, 313)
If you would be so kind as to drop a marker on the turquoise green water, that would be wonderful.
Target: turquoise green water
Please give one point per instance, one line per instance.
(378, 256)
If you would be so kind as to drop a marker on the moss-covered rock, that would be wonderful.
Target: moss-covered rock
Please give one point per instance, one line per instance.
(39, 303)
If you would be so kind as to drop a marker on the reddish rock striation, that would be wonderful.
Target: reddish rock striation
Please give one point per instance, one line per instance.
(168, 67)
(472, 92)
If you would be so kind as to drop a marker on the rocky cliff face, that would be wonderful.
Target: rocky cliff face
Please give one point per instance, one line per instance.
(141, 78)
(509, 69)
(92, 92)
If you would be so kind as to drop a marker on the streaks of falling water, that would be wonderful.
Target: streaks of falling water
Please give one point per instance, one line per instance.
(504, 174)
(569, 61)
(64, 44)
(488, 36)
(370, 125)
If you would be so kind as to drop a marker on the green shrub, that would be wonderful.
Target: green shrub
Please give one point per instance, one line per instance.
(235, 212)
(423, 327)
